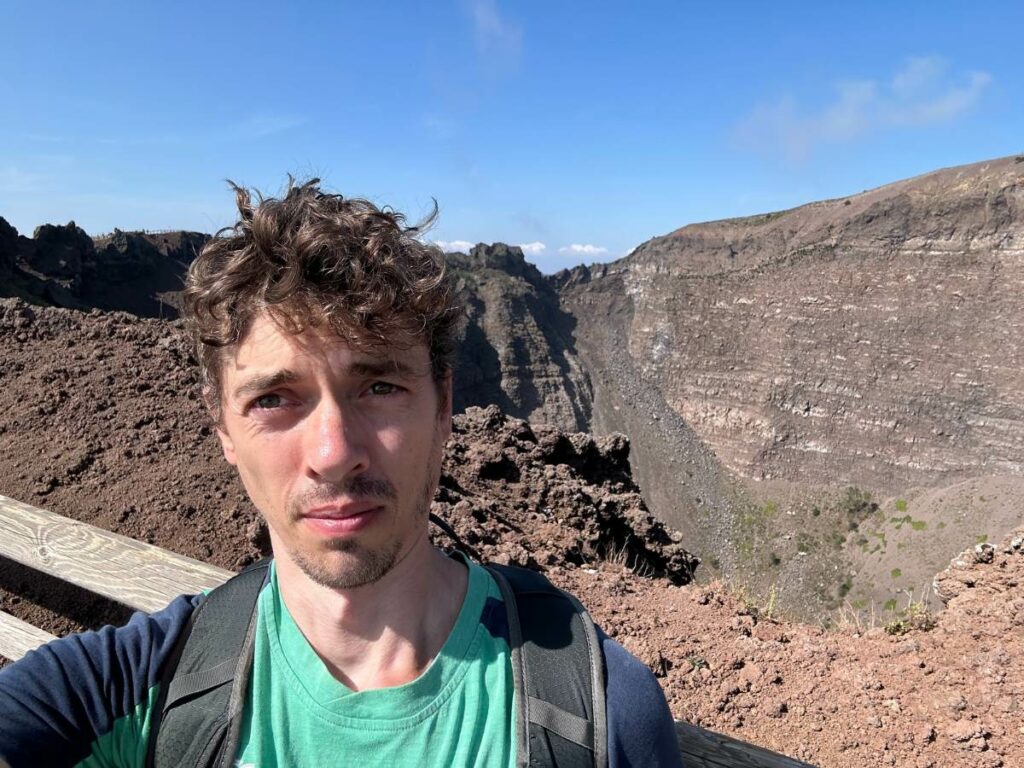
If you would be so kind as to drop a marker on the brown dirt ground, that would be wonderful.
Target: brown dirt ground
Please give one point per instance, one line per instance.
(100, 421)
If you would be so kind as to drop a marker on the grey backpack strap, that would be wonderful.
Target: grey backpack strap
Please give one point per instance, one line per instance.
(558, 670)
(198, 715)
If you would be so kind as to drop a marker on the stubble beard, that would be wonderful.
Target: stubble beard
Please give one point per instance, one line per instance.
(362, 565)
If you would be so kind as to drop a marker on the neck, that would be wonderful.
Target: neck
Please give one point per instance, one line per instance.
(382, 634)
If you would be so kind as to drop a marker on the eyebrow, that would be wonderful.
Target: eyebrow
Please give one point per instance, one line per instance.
(266, 381)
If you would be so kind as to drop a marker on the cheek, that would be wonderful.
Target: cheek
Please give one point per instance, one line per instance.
(266, 468)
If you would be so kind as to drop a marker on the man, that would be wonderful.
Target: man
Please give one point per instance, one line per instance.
(325, 332)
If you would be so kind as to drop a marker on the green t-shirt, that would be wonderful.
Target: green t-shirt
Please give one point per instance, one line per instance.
(459, 712)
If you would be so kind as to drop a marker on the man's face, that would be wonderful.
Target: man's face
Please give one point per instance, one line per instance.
(339, 449)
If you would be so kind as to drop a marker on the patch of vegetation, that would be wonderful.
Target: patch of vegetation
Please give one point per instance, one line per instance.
(917, 525)
(915, 616)
(941, 525)
(845, 587)
(856, 505)
(768, 611)
(890, 604)
(804, 542)
(816, 512)
(981, 538)
(697, 661)
(896, 573)
(901, 505)
(774, 560)
(750, 527)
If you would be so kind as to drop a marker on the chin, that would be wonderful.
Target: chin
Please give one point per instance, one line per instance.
(347, 567)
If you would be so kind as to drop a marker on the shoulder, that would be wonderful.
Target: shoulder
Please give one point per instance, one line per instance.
(640, 726)
(58, 701)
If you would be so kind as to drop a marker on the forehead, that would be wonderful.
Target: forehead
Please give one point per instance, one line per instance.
(266, 346)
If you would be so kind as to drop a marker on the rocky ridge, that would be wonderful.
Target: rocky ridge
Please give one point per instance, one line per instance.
(519, 350)
(873, 339)
(61, 265)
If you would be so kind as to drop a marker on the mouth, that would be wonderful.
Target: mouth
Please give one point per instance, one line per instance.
(341, 519)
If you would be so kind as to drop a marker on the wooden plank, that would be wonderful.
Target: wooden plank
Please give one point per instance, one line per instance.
(18, 637)
(131, 572)
(707, 749)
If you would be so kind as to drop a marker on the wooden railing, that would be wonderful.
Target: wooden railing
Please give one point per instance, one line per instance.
(146, 577)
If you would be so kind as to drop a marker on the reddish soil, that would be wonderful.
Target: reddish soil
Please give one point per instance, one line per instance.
(100, 421)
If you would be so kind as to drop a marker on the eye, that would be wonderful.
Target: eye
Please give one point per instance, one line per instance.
(267, 402)
(383, 388)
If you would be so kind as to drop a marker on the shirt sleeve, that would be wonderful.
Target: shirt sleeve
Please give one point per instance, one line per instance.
(641, 731)
(84, 699)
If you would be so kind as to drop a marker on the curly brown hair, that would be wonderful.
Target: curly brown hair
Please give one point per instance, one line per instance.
(313, 258)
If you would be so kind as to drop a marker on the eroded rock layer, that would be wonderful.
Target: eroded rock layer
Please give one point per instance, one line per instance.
(874, 339)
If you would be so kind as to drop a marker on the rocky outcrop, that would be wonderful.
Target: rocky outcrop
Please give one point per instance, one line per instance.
(62, 266)
(142, 273)
(58, 252)
(519, 352)
(8, 247)
(534, 496)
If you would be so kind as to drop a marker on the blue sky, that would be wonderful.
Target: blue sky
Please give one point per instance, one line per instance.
(576, 129)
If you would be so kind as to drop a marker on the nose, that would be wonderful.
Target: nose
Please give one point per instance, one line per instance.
(336, 443)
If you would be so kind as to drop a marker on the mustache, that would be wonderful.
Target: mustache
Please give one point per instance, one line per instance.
(358, 488)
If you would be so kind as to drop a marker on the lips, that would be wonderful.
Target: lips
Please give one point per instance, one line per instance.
(340, 519)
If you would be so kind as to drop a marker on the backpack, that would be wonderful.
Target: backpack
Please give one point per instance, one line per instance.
(557, 670)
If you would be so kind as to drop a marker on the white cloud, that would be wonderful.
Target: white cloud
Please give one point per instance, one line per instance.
(495, 36)
(923, 92)
(450, 246)
(534, 249)
(583, 250)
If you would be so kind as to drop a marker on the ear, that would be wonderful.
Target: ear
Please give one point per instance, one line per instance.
(228, 446)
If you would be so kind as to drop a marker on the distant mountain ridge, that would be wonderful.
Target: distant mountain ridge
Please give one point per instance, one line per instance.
(61, 265)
